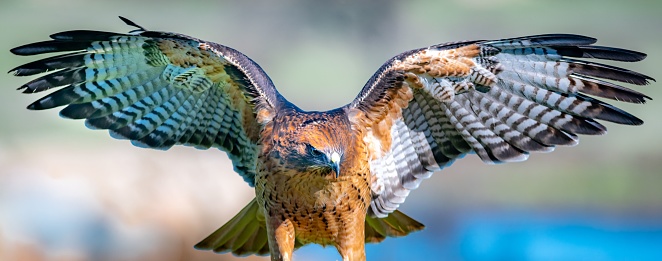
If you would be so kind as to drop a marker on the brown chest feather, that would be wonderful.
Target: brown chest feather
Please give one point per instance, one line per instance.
(322, 209)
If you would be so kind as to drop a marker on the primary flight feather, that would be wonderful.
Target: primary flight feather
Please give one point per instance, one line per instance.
(336, 177)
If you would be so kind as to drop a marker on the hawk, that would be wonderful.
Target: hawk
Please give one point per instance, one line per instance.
(334, 177)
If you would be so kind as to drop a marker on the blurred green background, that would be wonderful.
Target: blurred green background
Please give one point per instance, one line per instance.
(68, 193)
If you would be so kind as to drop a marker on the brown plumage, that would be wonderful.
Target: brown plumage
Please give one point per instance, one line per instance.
(336, 177)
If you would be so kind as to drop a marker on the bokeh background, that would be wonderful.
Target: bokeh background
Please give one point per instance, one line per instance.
(68, 193)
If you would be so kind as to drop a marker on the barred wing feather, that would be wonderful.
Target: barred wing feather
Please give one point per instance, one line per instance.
(156, 89)
(499, 99)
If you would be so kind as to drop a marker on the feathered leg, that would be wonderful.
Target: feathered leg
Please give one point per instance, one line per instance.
(351, 243)
(281, 239)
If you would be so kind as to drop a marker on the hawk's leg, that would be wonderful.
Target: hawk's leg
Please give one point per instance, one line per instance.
(281, 239)
(351, 243)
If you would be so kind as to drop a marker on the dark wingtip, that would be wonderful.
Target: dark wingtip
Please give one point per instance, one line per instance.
(131, 23)
(21, 50)
(48, 47)
(600, 52)
(617, 115)
(568, 39)
(83, 36)
(562, 39)
(13, 50)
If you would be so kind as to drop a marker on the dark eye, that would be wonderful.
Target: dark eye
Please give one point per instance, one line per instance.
(313, 151)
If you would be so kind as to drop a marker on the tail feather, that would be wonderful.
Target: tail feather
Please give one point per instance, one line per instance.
(396, 224)
(256, 244)
(246, 234)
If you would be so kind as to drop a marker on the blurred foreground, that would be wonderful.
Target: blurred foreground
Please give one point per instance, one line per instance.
(68, 193)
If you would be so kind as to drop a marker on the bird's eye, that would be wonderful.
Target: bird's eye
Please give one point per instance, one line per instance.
(313, 151)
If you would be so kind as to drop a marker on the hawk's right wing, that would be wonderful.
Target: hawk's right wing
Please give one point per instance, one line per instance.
(156, 89)
(499, 99)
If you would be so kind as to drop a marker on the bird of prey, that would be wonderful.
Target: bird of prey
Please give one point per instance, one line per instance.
(334, 177)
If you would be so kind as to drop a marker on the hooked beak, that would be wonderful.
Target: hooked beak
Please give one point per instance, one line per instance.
(335, 163)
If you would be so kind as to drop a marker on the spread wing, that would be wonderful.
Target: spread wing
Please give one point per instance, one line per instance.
(499, 99)
(156, 89)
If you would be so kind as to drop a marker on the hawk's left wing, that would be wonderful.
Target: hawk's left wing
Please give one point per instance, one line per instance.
(156, 89)
(500, 99)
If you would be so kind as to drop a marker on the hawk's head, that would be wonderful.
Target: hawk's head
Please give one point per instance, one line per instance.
(313, 142)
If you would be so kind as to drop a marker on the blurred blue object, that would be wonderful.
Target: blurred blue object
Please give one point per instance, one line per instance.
(564, 236)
